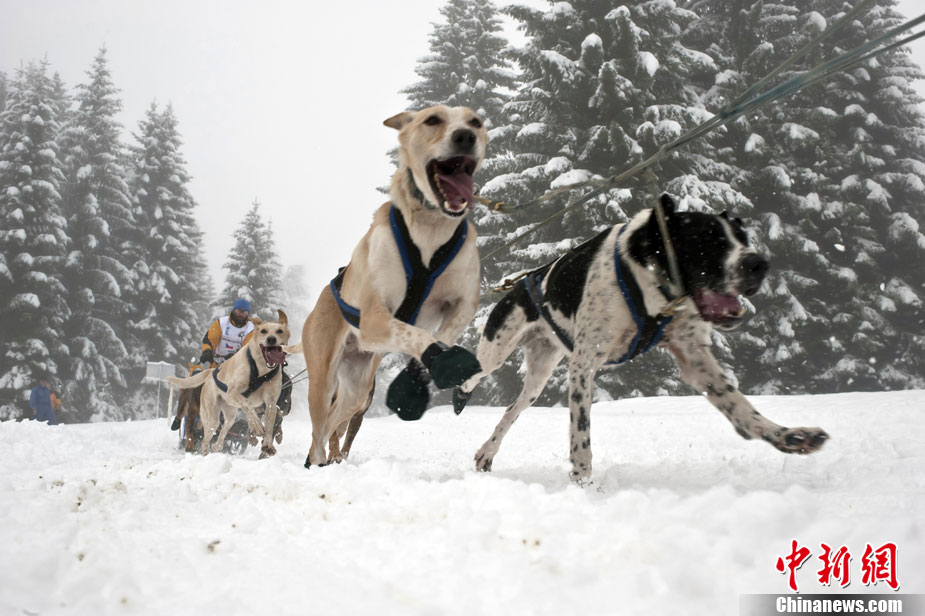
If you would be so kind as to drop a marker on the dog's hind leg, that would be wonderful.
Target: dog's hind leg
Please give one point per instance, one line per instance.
(541, 357)
(229, 413)
(334, 452)
(700, 369)
(321, 399)
(357, 420)
(208, 414)
(352, 429)
(269, 424)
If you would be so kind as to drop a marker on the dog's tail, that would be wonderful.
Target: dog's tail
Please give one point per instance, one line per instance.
(294, 349)
(191, 381)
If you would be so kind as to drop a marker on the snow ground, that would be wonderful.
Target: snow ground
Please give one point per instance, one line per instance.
(682, 517)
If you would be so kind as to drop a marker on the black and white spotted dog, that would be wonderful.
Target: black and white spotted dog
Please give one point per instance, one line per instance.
(606, 302)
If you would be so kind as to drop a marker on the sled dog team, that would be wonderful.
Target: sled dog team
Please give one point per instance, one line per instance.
(412, 287)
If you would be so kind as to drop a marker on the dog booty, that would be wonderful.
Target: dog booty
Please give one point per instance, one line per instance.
(409, 394)
(460, 400)
(450, 366)
(176, 423)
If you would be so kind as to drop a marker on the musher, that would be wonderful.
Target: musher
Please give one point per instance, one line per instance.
(226, 335)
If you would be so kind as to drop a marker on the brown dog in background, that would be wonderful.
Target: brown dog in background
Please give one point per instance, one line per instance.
(188, 407)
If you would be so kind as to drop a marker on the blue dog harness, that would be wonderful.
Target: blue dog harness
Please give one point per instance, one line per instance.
(419, 278)
(254, 383)
(649, 329)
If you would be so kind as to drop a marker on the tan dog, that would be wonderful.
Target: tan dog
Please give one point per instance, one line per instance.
(248, 379)
(188, 407)
(411, 287)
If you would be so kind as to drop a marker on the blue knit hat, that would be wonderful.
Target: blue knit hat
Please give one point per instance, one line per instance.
(242, 304)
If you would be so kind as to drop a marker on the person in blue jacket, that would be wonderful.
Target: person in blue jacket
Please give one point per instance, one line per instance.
(40, 401)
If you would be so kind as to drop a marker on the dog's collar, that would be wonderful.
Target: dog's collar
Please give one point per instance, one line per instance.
(649, 329)
(663, 282)
(666, 288)
(417, 194)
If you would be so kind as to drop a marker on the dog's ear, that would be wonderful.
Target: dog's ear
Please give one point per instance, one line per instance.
(400, 120)
(256, 320)
(735, 221)
(283, 318)
(668, 204)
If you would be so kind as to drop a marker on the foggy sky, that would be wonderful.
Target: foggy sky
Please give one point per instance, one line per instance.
(279, 101)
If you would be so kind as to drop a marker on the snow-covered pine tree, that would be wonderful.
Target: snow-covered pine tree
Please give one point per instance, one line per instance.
(60, 99)
(873, 218)
(605, 87)
(253, 268)
(170, 269)
(98, 277)
(836, 173)
(468, 63)
(3, 87)
(296, 295)
(33, 234)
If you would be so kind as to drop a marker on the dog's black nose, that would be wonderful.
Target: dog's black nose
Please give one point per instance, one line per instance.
(754, 268)
(463, 139)
(271, 341)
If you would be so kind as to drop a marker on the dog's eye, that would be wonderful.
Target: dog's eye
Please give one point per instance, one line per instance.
(263, 331)
(279, 331)
(475, 123)
(433, 120)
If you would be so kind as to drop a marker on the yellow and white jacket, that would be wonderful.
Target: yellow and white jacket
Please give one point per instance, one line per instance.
(224, 338)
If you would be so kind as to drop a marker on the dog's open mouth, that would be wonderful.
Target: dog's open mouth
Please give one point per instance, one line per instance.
(451, 181)
(274, 355)
(718, 308)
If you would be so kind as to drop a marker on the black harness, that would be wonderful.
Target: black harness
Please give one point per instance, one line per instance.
(649, 329)
(255, 381)
(419, 278)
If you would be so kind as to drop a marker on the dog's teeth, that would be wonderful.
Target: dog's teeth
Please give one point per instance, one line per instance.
(439, 185)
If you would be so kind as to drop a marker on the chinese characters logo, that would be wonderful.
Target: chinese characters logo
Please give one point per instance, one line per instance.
(877, 565)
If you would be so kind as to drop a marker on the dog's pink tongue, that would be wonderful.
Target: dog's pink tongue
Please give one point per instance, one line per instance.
(458, 189)
(717, 305)
(276, 355)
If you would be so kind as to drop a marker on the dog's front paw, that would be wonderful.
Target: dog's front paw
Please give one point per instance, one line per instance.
(581, 477)
(450, 366)
(800, 440)
(483, 461)
(409, 394)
